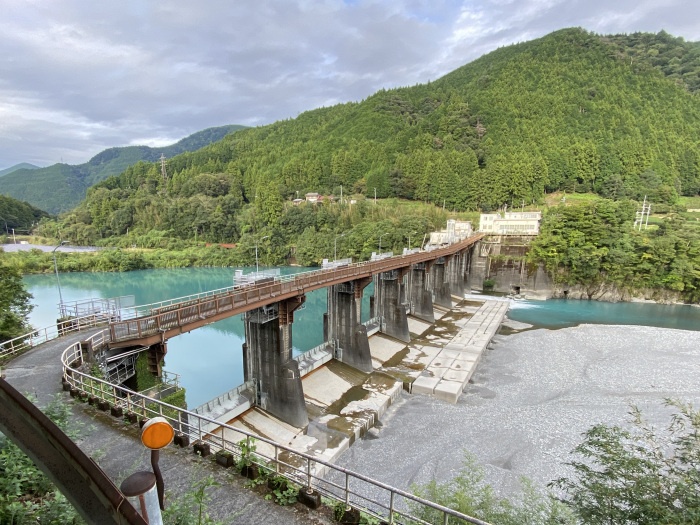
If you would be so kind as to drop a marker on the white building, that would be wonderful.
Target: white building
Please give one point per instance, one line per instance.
(455, 232)
(511, 223)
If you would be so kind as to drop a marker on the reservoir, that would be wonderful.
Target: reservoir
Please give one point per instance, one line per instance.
(209, 359)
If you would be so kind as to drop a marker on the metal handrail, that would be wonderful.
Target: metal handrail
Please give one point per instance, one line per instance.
(42, 335)
(301, 468)
(198, 307)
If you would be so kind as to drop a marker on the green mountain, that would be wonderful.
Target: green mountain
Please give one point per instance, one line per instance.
(18, 215)
(20, 166)
(61, 187)
(571, 111)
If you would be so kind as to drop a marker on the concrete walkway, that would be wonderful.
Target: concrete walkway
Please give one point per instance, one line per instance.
(449, 372)
(116, 447)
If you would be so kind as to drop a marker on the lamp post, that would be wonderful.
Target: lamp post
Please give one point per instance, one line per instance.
(335, 246)
(58, 281)
(257, 268)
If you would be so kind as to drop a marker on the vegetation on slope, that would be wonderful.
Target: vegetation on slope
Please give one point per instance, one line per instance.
(594, 243)
(14, 304)
(18, 215)
(304, 234)
(61, 187)
(27, 495)
(673, 56)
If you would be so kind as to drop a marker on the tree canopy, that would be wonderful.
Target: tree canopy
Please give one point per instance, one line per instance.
(14, 304)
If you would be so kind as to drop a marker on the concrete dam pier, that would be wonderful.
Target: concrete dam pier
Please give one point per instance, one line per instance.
(343, 402)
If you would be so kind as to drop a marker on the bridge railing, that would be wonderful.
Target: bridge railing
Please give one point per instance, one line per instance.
(199, 307)
(310, 473)
(29, 340)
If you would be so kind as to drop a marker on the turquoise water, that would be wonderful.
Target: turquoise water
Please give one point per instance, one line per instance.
(562, 313)
(209, 359)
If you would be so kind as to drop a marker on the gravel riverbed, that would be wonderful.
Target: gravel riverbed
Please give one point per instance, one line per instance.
(531, 398)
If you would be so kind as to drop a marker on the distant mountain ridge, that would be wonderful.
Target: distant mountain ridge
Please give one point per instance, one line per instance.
(20, 166)
(61, 187)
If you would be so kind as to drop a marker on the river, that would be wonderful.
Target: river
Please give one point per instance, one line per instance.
(537, 389)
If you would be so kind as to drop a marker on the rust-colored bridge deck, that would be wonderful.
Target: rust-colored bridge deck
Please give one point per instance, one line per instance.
(168, 321)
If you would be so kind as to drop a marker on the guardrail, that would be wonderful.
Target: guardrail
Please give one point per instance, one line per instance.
(36, 337)
(181, 311)
(343, 485)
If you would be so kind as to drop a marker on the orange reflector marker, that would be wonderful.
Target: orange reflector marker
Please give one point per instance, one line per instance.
(157, 433)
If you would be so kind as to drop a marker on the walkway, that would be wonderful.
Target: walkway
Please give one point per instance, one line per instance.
(168, 320)
(116, 447)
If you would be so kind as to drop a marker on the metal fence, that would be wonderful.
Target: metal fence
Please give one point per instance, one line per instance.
(97, 305)
(373, 497)
(36, 337)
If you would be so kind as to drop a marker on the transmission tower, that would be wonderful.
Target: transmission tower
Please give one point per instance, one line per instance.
(642, 216)
(163, 172)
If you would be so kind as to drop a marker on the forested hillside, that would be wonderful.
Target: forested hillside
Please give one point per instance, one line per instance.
(61, 187)
(18, 215)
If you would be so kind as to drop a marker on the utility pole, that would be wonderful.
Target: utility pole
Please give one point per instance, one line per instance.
(375, 195)
(163, 171)
(642, 216)
(58, 281)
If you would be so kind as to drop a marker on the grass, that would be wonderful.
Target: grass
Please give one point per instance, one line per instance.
(554, 199)
(691, 203)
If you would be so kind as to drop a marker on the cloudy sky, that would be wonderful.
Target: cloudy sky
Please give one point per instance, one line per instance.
(79, 76)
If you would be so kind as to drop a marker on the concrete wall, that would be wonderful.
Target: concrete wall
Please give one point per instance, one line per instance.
(501, 258)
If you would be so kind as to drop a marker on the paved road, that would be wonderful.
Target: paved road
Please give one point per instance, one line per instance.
(116, 447)
(46, 248)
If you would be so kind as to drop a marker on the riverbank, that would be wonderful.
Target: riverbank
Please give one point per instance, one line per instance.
(529, 402)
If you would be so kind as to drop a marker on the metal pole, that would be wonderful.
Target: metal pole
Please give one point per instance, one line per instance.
(375, 195)
(58, 281)
(155, 456)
